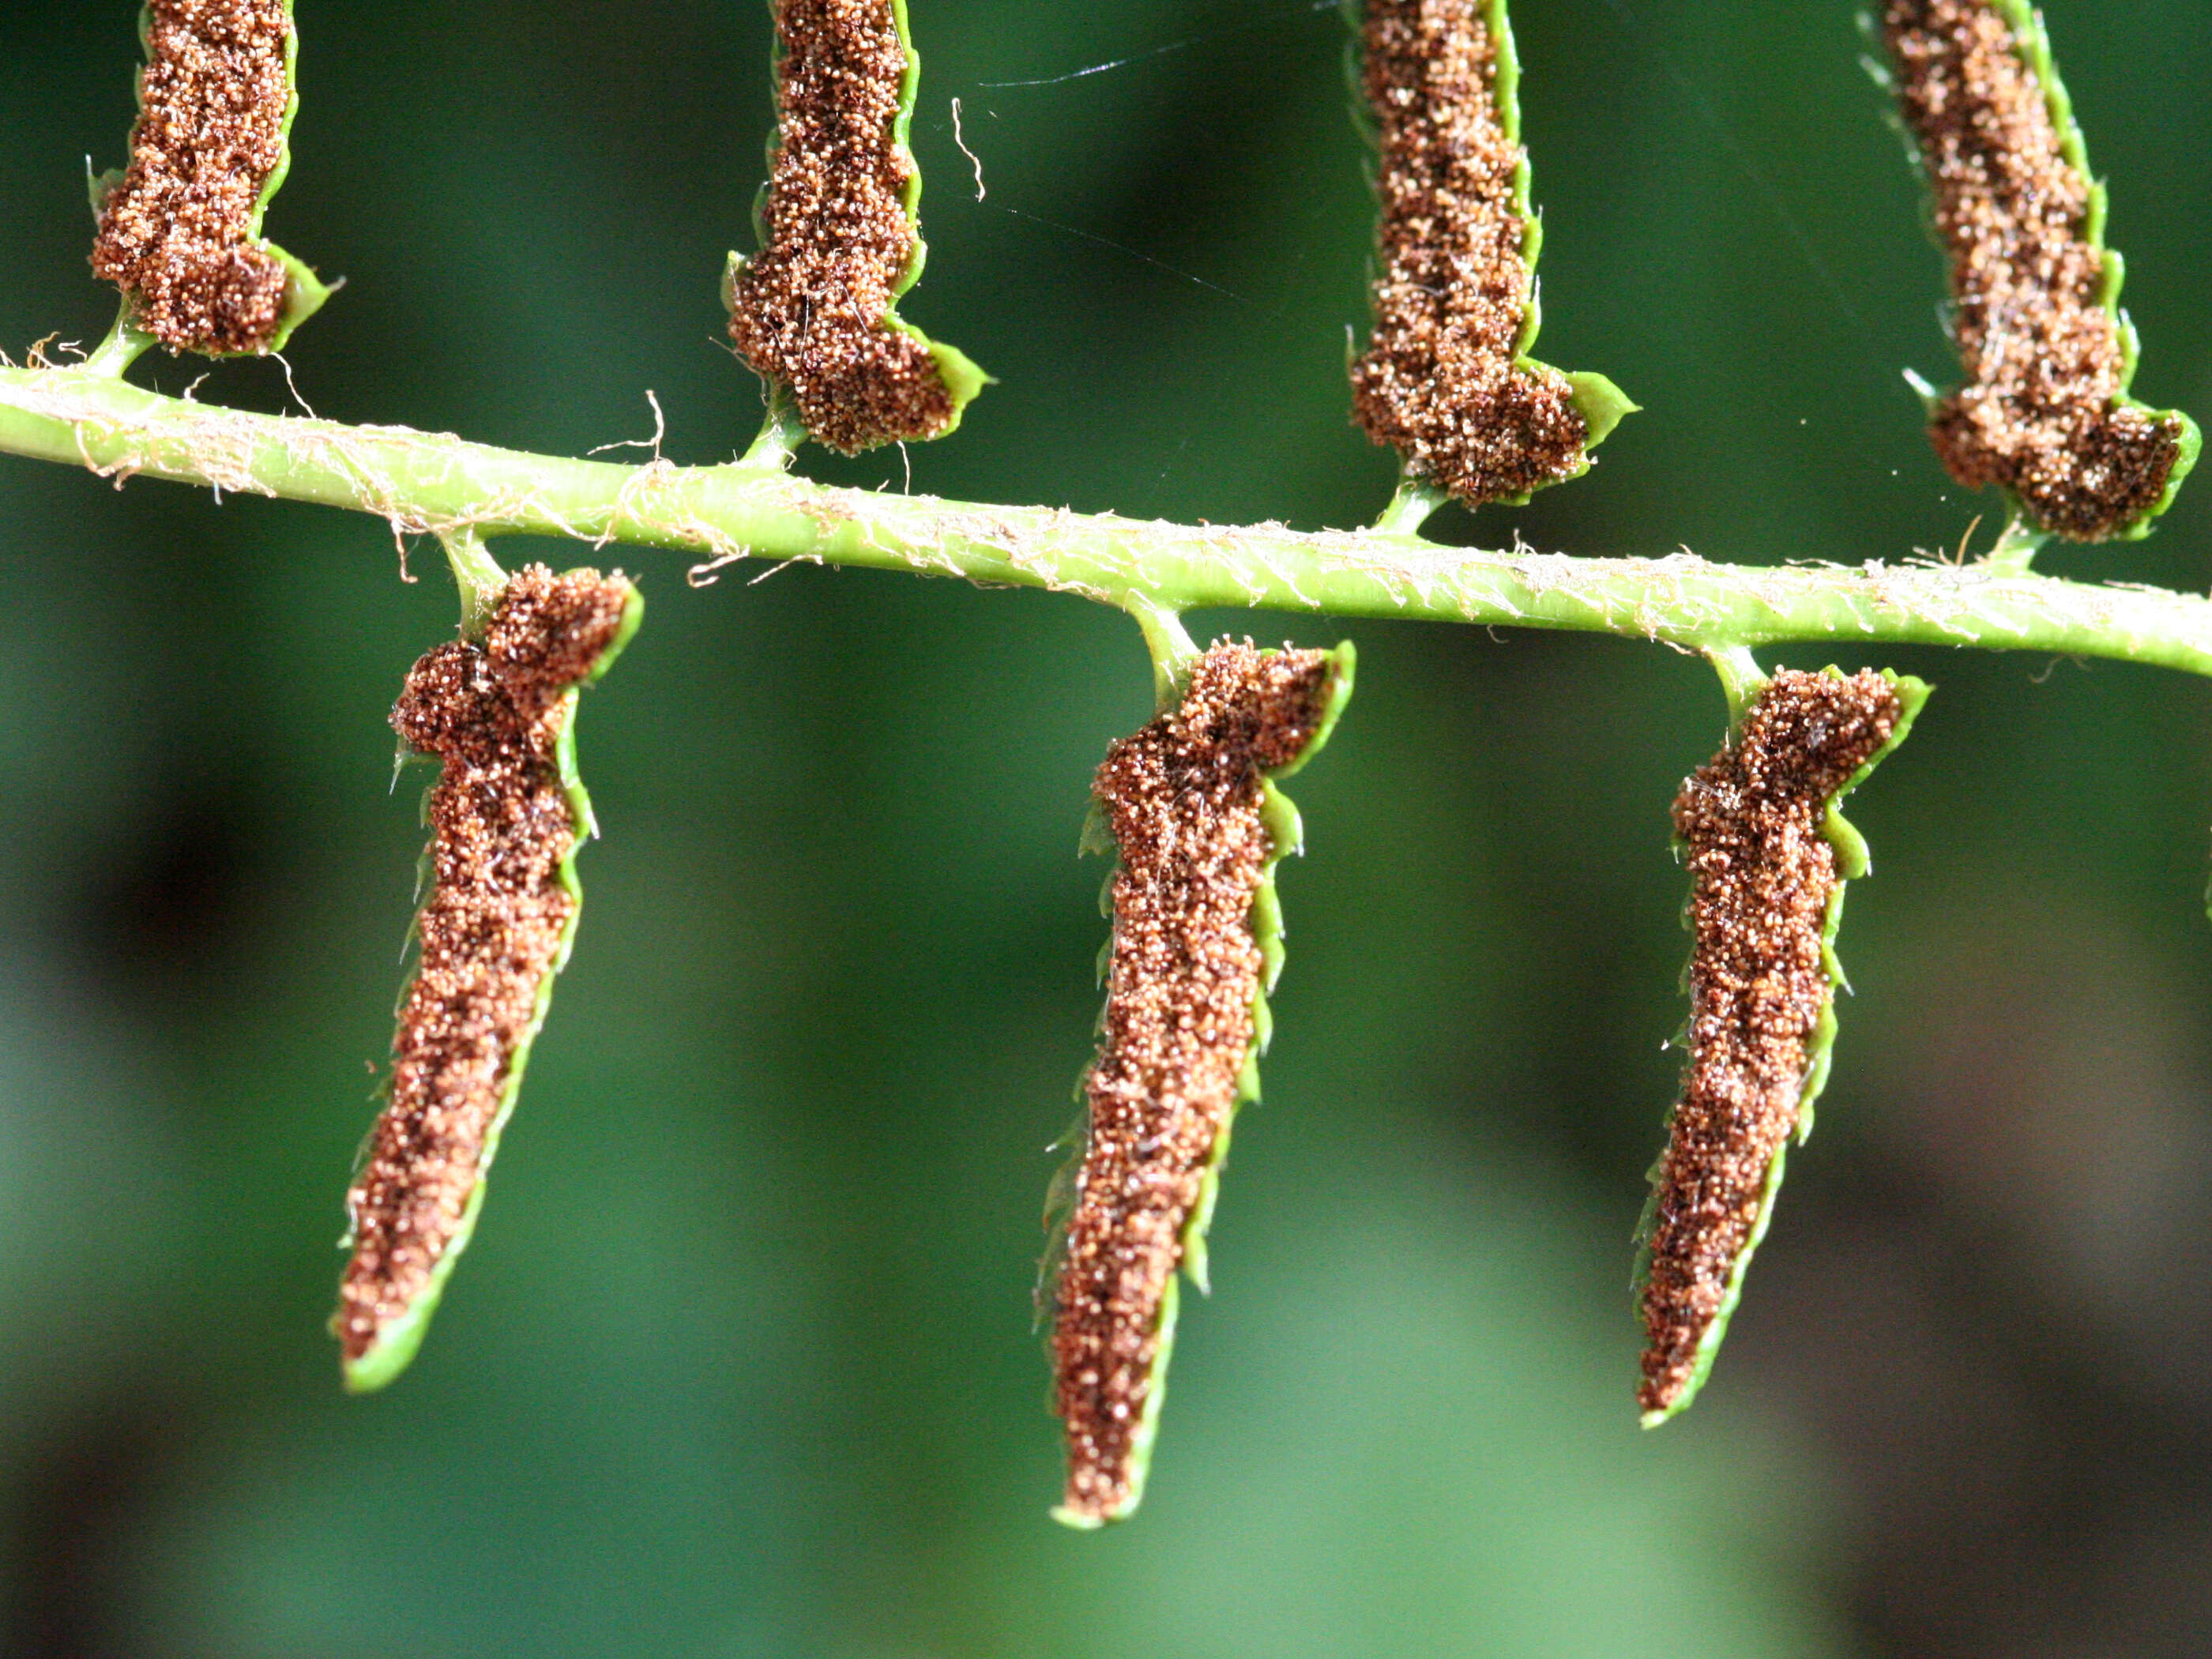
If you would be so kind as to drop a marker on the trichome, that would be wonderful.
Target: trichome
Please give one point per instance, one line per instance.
(1446, 379)
(1768, 853)
(180, 230)
(2043, 412)
(813, 311)
(1199, 827)
(505, 814)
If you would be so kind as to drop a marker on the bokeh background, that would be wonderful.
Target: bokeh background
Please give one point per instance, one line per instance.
(741, 1361)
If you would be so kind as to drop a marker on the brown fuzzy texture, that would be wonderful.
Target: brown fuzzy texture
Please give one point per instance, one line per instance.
(1183, 798)
(491, 933)
(810, 306)
(1762, 874)
(1439, 379)
(2041, 412)
(211, 133)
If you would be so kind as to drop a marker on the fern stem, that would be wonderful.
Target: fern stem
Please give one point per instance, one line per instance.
(1174, 652)
(477, 575)
(1742, 678)
(126, 343)
(429, 483)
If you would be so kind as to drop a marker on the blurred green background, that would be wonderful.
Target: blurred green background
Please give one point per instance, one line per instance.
(741, 1361)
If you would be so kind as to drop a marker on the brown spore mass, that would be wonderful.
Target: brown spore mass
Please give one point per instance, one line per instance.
(2041, 412)
(211, 133)
(1440, 379)
(492, 930)
(1183, 798)
(1762, 873)
(810, 308)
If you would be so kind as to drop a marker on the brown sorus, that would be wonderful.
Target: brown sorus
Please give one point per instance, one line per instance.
(2042, 412)
(177, 232)
(1762, 875)
(490, 934)
(1183, 798)
(1442, 378)
(809, 309)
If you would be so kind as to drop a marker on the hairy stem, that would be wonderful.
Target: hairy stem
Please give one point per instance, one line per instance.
(433, 482)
